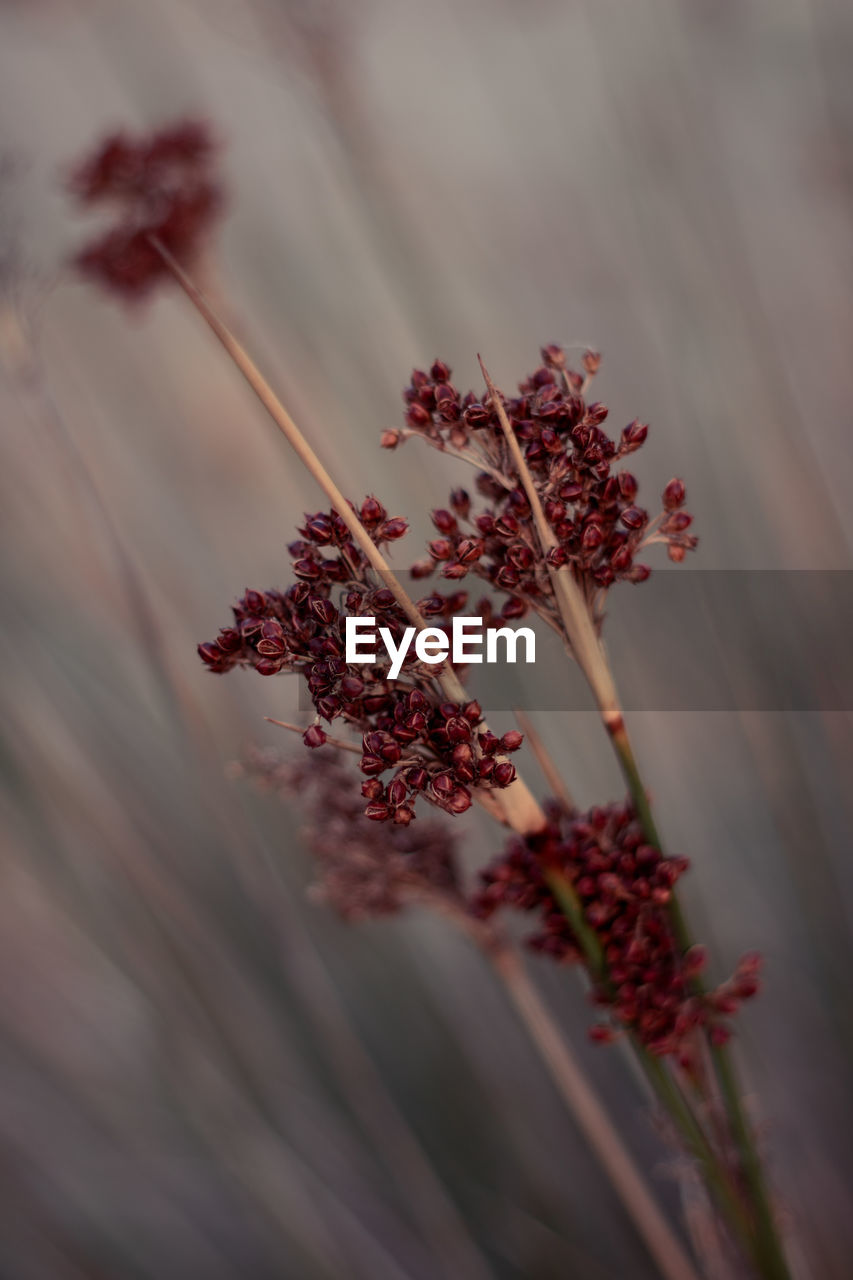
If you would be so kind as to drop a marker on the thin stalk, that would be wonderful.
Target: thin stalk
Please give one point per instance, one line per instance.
(593, 1121)
(696, 1141)
(518, 807)
(592, 659)
(551, 773)
(659, 1079)
(338, 743)
(578, 1094)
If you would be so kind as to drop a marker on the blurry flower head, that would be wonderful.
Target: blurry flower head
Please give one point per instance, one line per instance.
(363, 870)
(158, 187)
(622, 886)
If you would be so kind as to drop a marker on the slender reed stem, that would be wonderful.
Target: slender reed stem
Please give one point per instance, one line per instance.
(551, 773)
(591, 657)
(593, 1121)
(338, 743)
(517, 806)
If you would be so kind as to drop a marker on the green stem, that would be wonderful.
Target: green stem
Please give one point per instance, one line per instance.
(663, 1085)
(768, 1252)
(765, 1246)
(678, 1108)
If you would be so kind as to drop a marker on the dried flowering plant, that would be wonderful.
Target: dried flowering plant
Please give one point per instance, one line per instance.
(556, 528)
(157, 188)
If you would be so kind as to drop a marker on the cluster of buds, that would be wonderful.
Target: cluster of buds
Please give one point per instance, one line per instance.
(436, 749)
(590, 506)
(161, 188)
(621, 886)
(363, 870)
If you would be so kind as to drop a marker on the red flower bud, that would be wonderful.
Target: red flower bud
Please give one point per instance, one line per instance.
(673, 495)
(634, 435)
(444, 521)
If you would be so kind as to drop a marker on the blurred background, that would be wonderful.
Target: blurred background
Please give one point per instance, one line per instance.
(203, 1072)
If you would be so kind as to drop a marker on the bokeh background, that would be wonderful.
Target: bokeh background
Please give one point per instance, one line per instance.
(203, 1072)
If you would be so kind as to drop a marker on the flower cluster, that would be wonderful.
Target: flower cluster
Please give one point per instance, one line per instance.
(590, 506)
(621, 886)
(160, 187)
(364, 871)
(437, 749)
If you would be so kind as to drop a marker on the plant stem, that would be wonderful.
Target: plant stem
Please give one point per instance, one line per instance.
(592, 659)
(766, 1247)
(515, 805)
(593, 1121)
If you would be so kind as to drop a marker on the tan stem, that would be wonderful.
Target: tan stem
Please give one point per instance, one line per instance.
(594, 1122)
(331, 742)
(574, 611)
(517, 804)
(551, 773)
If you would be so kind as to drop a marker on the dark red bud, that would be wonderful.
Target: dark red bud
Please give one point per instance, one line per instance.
(458, 729)
(324, 611)
(314, 736)
(372, 511)
(634, 435)
(392, 529)
(417, 416)
(553, 356)
(469, 550)
(421, 569)
(458, 801)
(211, 654)
(627, 485)
(460, 502)
(633, 517)
(673, 495)
(377, 811)
(444, 521)
(511, 740)
(397, 792)
(371, 764)
(307, 569)
(255, 602)
(443, 784)
(454, 569)
(268, 667)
